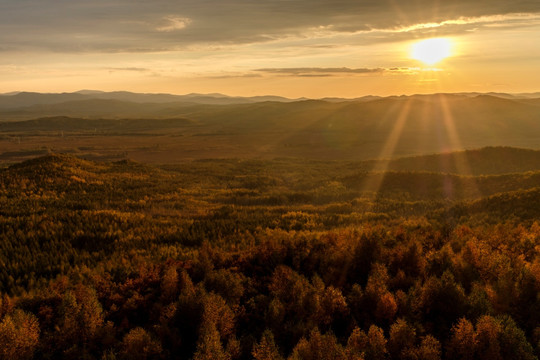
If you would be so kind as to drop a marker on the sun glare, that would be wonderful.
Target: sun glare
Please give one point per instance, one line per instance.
(431, 51)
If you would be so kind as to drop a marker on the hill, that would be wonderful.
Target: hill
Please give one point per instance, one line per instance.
(385, 128)
(515, 206)
(436, 186)
(318, 181)
(64, 123)
(282, 256)
(484, 161)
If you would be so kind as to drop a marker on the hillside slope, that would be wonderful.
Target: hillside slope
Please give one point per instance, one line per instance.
(353, 130)
(484, 161)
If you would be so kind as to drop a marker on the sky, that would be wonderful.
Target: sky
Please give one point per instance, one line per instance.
(292, 48)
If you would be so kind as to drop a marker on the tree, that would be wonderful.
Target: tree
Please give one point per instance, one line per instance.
(386, 307)
(169, 284)
(442, 302)
(6, 305)
(357, 344)
(217, 311)
(402, 340)
(318, 347)
(376, 349)
(487, 333)
(209, 346)
(81, 316)
(430, 349)
(332, 304)
(139, 345)
(514, 344)
(463, 341)
(266, 349)
(19, 336)
(227, 284)
(217, 325)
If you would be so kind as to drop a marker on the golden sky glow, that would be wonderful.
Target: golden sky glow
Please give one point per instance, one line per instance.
(292, 48)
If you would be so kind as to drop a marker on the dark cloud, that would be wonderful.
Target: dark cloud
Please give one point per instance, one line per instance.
(160, 25)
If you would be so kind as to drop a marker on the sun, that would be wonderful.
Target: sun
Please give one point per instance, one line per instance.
(431, 51)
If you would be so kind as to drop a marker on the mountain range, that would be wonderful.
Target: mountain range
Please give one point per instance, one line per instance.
(24, 99)
(161, 128)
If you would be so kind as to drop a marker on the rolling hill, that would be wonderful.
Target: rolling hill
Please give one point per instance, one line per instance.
(132, 248)
(64, 123)
(374, 128)
(484, 161)
(347, 179)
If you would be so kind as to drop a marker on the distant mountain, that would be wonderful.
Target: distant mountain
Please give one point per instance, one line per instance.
(501, 95)
(27, 99)
(352, 130)
(382, 128)
(86, 108)
(90, 92)
(17, 100)
(361, 99)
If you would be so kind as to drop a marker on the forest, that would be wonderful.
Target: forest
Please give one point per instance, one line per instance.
(421, 258)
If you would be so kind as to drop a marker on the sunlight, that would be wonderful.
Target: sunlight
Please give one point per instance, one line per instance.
(431, 51)
(461, 163)
(374, 183)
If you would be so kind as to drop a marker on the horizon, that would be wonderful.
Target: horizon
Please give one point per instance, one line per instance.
(89, 92)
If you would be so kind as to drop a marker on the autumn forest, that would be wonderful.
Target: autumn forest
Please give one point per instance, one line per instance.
(269, 180)
(271, 259)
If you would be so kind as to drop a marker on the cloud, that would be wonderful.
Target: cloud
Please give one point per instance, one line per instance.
(319, 72)
(174, 23)
(134, 69)
(510, 19)
(145, 26)
(342, 71)
(233, 76)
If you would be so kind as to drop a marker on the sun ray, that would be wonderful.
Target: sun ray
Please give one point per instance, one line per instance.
(373, 183)
(461, 163)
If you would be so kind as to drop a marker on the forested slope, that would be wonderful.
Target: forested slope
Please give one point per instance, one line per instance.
(243, 259)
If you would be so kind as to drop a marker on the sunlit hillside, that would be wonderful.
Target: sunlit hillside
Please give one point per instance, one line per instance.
(167, 132)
